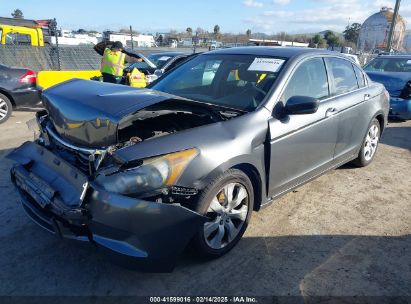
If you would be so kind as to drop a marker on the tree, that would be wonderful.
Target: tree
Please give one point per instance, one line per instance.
(352, 32)
(189, 31)
(18, 14)
(331, 38)
(317, 41)
(216, 31)
(81, 31)
(248, 33)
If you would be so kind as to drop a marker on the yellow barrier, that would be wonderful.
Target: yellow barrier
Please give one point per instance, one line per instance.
(46, 79)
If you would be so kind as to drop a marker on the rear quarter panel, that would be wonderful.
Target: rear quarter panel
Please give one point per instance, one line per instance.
(46, 79)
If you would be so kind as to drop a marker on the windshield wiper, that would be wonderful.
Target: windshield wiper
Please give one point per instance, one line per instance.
(216, 106)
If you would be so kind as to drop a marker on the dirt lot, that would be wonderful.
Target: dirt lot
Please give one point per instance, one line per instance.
(346, 233)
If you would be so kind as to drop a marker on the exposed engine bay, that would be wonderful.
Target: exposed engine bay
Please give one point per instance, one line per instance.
(152, 122)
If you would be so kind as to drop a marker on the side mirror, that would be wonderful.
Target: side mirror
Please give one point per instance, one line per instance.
(301, 105)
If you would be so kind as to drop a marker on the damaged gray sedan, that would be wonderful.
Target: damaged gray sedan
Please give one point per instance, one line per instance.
(141, 173)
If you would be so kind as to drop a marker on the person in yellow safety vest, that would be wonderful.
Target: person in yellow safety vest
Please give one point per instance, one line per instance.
(112, 63)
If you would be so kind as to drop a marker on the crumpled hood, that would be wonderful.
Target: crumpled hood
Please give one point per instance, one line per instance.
(89, 113)
(394, 82)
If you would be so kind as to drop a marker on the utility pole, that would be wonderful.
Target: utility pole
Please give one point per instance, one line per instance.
(195, 42)
(393, 23)
(131, 34)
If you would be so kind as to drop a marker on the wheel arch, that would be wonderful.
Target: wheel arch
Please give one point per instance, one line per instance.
(249, 166)
(5, 93)
(256, 181)
(380, 117)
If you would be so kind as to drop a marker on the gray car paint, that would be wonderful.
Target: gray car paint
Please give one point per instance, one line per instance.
(301, 146)
(279, 152)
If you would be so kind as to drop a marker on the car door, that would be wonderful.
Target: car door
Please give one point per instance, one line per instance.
(349, 91)
(301, 146)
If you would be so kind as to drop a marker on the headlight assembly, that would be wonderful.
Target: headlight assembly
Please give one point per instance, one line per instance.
(153, 174)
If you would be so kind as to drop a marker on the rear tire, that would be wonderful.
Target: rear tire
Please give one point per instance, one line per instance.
(228, 203)
(5, 108)
(369, 145)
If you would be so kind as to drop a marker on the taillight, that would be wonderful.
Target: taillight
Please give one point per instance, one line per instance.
(29, 77)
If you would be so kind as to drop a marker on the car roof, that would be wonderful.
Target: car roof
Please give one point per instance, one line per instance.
(287, 52)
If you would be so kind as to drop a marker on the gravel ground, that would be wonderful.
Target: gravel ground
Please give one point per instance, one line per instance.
(347, 233)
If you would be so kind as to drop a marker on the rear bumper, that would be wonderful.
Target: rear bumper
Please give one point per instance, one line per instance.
(400, 108)
(135, 233)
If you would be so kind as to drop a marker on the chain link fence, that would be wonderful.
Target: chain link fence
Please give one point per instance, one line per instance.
(49, 57)
(79, 57)
(64, 57)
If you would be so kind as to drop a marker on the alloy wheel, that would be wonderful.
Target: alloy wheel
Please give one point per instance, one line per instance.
(371, 142)
(4, 109)
(227, 212)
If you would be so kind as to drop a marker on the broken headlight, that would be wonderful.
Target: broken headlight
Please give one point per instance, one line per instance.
(153, 174)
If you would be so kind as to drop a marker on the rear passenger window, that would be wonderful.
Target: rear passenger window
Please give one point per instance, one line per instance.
(360, 77)
(309, 79)
(342, 72)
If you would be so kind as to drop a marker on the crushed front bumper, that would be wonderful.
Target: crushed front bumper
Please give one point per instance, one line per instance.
(400, 108)
(135, 233)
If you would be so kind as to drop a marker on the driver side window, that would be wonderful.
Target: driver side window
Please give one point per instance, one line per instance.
(309, 79)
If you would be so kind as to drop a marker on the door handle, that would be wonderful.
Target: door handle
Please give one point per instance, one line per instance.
(331, 112)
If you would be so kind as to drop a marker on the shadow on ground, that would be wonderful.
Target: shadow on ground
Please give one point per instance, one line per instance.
(398, 137)
(32, 262)
(35, 263)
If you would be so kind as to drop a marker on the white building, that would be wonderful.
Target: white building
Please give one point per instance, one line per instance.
(139, 40)
(67, 37)
(269, 42)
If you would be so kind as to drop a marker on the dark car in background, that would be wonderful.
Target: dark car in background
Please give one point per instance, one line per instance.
(159, 63)
(141, 173)
(394, 72)
(17, 89)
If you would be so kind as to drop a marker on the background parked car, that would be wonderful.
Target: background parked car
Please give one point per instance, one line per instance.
(394, 72)
(17, 89)
(163, 62)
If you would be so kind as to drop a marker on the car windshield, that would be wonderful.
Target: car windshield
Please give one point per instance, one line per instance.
(159, 59)
(235, 81)
(389, 65)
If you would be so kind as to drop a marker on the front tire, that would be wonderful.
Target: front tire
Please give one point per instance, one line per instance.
(369, 145)
(228, 203)
(5, 108)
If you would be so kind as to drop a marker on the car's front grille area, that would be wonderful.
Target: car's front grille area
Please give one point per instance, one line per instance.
(77, 157)
(36, 213)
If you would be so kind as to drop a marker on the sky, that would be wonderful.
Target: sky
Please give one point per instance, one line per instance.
(235, 16)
